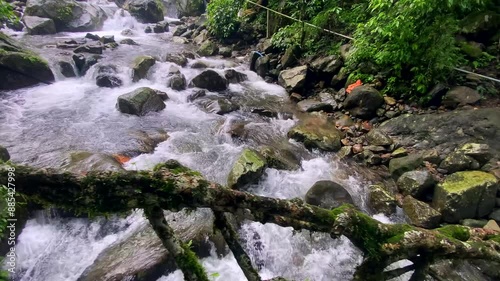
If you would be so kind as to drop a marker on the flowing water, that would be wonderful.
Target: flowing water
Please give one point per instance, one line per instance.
(41, 124)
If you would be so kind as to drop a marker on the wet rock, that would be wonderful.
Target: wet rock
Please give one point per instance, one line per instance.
(208, 48)
(210, 80)
(247, 169)
(14, 25)
(317, 132)
(460, 96)
(68, 15)
(420, 213)
(93, 48)
(20, 67)
(129, 41)
(479, 151)
(432, 156)
(495, 215)
(344, 121)
(399, 166)
(140, 102)
(328, 195)
(377, 137)
(329, 64)
(80, 162)
(89, 61)
(262, 66)
(66, 69)
(310, 105)
(107, 39)
(4, 154)
(145, 11)
(363, 102)
(108, 81)
(234, 76)
(161, 27)
(178, 59)
(164, 96)
(177, 82)
(141, 67)
(344, 152)
(141, 255)
(39, 26)
(463, 195)
(148, 29)
(473, 223)
(220, 106)
(201, 37)
(381, 201)
(280, 159)
(293, 79)
(179, 30)
(91, 36)
(225, 52)
(196, 95)
(458, 161)
(416, 183)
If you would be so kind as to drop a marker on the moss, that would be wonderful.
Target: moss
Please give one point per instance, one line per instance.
(455, 231)
(65, 13)
(461, 181)
(189, 261)
(176, 168)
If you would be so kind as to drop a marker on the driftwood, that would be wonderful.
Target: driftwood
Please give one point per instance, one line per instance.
(171, 186)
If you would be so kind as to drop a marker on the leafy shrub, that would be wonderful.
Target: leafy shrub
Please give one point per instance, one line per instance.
(6, 11)
(223, 19)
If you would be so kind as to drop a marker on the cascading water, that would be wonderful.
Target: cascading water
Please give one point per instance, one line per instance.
(39, 125)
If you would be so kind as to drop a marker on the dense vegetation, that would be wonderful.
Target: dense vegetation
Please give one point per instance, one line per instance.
(409, 44)
(6, 11)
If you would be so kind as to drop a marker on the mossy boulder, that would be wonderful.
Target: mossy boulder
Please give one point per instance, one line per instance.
(381, 200)
(20, 67)
(317, 132)
(247, 169)
(416, 183)
(187, 8)
(140, 102)
(458, 161)
(328, 194)
(399, 166)
(377, 137)
(421, 214)
(479, 151)
(68, 15)
(280, 159)
(145, 11)
(208, 48)
(141, 67)
(463, 195)
(4, 154)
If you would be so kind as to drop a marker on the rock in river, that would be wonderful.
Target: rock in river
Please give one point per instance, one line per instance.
(210, 80)
(248, 168)
(328, 194)
(317, 132)
(140, 102)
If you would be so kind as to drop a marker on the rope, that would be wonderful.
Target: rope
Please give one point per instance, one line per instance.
(351, 38)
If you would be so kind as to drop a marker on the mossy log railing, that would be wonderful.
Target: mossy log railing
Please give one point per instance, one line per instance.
(173, 187)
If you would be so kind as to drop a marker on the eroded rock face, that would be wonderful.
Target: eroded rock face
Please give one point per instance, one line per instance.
(68, 15)
(328, 194)
(140, 102)
(248, 169)
(20, 67)
(464, 195)
(317, 132)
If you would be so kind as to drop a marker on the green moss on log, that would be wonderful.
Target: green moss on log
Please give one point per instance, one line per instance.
(189, 260)
(459, 232)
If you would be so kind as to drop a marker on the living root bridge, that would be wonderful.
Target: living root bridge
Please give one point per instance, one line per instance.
(171, 186)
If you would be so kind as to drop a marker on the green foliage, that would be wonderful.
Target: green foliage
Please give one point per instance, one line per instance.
(412, 41)
(223, 17)
(6, 12)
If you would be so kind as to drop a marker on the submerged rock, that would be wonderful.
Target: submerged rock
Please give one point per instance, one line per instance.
(141, 67)
(140, 102)
(20, 67)
(328, 195)
(220, 106)
(317, 132)
(464, 195)
(247, 169)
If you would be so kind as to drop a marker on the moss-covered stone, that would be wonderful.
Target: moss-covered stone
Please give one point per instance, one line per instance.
(455, 231)
(458, 161)
(208, 48)
(463, 195)
(317, 132)
(140, 102)
(248, 169)
(420, 214)
(141, 67)
(416, 183)
(381, 201)
(399, 166)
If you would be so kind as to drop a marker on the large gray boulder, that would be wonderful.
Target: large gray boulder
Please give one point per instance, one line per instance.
(68, 15)
(317, 132)
(20, 67)
(145, 11)
(248, 168)
(328, 194)
(363, 102)
(39, 26)
(185, 8)
(293, 80)
(460, 96)
(210, 80)
(465, 195)
(140, 102)
(416, 183)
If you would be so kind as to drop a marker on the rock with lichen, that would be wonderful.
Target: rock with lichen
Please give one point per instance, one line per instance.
(247, 169)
